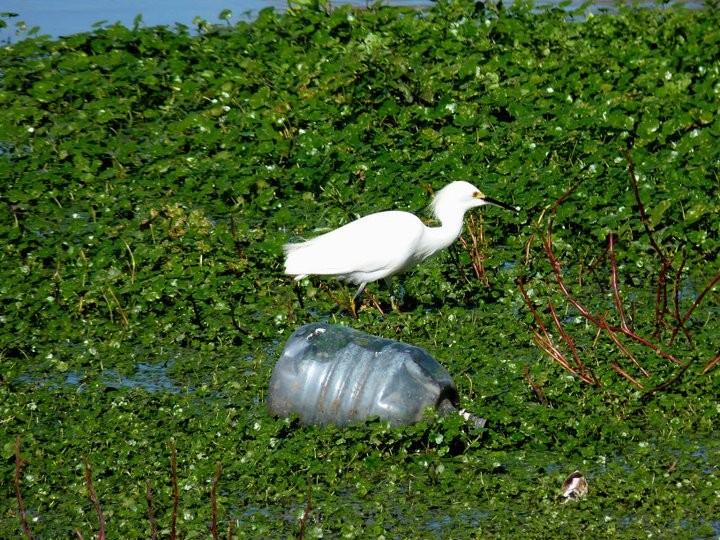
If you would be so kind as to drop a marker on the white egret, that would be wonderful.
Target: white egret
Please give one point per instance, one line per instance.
(380, 245)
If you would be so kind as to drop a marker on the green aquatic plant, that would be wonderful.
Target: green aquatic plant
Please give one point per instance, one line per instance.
(151, 176)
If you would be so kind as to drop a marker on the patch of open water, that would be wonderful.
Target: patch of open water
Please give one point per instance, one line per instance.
(65, 18)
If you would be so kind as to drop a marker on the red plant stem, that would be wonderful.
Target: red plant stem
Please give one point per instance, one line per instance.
(599, 322)
(374, 301)
(625, 350)
(213, 502)
(18, 467)
(543, 339)
(545, 343)
(530, 305)
(616, 292)
(600, 258)
(176, 492)
(711, 364)
(617, 368)
(332, 297)
(308, 509)
(669, 383)
(676, 304)
(641, 206)
(558, 278)
(476, 232)
(571, 344)
(538, 391)
(611, 331)
(707, 288)
(151, 512)
(661, 294)
(548, 348)
(94, 500)
(657, 350)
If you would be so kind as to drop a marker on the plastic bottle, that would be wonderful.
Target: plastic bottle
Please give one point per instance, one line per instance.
(330, 374)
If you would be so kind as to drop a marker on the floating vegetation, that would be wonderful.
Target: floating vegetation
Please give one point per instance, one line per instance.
(152, 175)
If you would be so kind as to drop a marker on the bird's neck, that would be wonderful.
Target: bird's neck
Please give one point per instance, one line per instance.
(438, 238)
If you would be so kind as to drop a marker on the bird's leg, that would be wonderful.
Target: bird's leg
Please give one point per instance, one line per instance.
(298, 293)
(361, 288)
(388, 283)
(353, 308)
(401, 294)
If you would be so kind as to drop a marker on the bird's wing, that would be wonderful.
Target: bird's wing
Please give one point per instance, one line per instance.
(375, 244)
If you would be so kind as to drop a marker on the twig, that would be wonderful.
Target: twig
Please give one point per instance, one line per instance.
(711, 364)
(94, 500)
(619, 335)
(374, 302)
(700, 297)
(622, 372)
(151, 512)
(661, 303)
(308, 508)
(18, 467)
(549, 348)
(625, 350)
(529, 304)
(544, 341)
(616, 291)
(661, 292)
(676, 304)
(641, 206)
(332, 297)
(476, 231)
(600, 323)
(669, 383)
(593, 267)
(538, 391)
(570, 342)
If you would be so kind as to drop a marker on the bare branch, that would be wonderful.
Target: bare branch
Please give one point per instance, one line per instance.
(94, 500)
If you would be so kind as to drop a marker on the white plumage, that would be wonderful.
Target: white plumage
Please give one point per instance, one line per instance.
(381, 245)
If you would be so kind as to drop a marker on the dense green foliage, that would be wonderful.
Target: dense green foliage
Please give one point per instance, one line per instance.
(151, 176)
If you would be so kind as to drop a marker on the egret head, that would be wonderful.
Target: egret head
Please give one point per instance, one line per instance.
(460, 197)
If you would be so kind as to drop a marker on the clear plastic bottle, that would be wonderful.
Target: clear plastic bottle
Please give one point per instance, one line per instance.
(330, 374)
